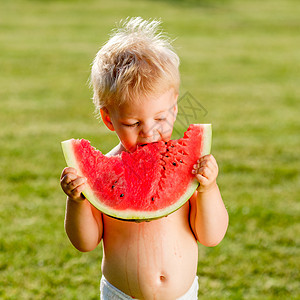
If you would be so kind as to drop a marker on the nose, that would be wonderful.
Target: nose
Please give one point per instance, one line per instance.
(147, 130)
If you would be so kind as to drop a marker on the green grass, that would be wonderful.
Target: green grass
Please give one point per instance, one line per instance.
(239, 59)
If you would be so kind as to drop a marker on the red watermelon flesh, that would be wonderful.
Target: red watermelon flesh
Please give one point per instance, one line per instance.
(152, 182)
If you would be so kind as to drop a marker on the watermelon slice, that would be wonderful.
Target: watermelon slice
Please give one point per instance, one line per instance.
(152, 182)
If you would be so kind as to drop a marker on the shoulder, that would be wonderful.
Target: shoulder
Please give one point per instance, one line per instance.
(115, 151)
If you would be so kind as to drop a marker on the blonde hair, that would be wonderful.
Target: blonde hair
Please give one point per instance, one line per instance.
(138, 60)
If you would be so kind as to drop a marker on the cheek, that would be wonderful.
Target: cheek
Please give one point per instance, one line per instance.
(129, 145)
(167, 128)
(128, 138)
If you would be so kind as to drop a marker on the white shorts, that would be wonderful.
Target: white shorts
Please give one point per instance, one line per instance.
(110, 292)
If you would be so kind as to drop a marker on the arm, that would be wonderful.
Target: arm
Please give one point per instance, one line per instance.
(208, 215)
(83, 222)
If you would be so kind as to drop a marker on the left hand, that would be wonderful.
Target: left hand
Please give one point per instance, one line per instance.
(206, 171)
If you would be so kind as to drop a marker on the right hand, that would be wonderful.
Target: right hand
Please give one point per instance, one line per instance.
(72, 184)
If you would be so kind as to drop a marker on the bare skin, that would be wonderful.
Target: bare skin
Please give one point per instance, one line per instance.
(157, 259)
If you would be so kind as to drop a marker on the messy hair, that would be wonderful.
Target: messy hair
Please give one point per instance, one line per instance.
(138, 60)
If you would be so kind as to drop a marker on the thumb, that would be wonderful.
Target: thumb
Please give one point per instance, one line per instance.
(202, 180)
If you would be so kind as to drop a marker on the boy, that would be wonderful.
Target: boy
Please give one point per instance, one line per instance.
(136, 80)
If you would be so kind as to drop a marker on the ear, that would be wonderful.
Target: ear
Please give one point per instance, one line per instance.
(175, 111)
(106, 118)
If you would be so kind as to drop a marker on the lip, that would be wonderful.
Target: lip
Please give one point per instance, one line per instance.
(144, 144)
(150, 140)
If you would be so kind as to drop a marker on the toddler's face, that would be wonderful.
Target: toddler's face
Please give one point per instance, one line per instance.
(148, 120)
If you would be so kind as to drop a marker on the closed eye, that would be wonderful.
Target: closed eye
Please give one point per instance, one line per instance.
(131, 125)
(138, 123)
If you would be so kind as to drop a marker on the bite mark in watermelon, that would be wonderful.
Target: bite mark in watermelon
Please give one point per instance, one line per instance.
(152, 182)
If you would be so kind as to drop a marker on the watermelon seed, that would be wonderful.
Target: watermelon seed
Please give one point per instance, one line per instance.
(152, 198)
(112, 186)
(167, 155)
(122, 195)
(174, 163)
(181, 161)
(164, 167)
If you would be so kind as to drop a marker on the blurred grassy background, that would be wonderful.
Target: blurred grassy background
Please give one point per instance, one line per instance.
(239, 59)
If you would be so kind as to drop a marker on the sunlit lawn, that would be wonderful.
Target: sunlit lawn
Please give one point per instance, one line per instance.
(239, 60)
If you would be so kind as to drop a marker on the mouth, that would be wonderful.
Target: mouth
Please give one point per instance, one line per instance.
(145, 144)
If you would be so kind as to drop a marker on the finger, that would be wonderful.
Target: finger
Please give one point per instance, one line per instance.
(78, 190)
(202, 158)
(213, 166)
(69, 177)
(202, 180)
(77, 182)
(205, 171)
(208, 161)
(203, 163)
(208, 164)
(212, 160)
(206, 158)
(68, 170)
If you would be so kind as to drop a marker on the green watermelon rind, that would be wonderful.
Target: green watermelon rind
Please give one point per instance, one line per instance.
(135, 215)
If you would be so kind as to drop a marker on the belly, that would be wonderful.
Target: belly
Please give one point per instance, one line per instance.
(154, 260)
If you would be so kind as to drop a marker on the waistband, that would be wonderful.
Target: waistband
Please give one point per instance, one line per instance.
(110, 292)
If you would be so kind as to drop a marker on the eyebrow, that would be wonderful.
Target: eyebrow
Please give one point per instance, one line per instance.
(135, 118)
(160, 112)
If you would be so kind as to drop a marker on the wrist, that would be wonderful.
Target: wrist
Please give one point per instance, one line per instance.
(77, 200)
(208, 189)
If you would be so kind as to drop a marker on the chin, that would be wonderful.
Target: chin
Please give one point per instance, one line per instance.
(131, 148)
